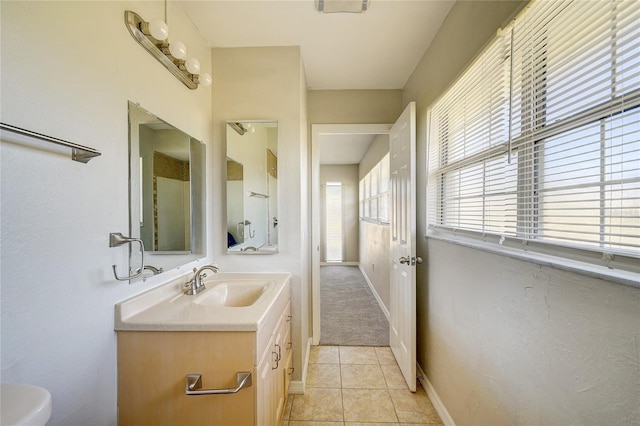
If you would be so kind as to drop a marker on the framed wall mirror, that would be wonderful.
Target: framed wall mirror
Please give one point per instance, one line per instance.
(252, 187)
(166, 193)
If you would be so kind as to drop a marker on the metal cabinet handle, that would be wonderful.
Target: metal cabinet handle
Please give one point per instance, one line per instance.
(279, 351)
(194, 384)
(277, 361)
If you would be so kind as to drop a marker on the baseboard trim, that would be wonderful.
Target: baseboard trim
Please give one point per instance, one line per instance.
(297, 386)
(435, 399)
(385, 311)
(339, 264)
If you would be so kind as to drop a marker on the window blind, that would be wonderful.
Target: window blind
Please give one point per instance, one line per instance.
(539, 139)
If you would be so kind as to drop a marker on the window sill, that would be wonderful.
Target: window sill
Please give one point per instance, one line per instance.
(375, 222)
(619, 276)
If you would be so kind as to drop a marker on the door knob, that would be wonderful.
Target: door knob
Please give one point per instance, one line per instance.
(410, 260)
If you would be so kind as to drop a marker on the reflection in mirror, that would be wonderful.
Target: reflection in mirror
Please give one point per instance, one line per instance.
(252, 187)
(166, 175)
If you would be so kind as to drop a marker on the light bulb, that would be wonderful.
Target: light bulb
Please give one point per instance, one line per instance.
(158, 29)
(205, 79)
(192, 65)
(178, 50)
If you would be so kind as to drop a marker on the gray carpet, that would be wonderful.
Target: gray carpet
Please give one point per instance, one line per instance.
(350, 314)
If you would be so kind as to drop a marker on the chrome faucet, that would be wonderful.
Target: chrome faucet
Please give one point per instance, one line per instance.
(153, 269)
(196, 285)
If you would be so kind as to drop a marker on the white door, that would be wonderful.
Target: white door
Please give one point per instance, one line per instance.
(402, 309)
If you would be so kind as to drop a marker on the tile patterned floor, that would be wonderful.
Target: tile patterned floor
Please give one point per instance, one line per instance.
(357, 385)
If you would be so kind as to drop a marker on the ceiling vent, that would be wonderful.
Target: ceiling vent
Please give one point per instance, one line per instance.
(342, 6)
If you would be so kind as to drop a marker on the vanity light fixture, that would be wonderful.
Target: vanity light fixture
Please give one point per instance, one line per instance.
(238, 127)
(153, 36)
(342, 6)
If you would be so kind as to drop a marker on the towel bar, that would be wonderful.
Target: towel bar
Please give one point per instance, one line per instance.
(194, 384)
(79, 153)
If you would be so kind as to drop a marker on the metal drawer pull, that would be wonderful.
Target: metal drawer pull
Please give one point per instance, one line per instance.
(194, 384)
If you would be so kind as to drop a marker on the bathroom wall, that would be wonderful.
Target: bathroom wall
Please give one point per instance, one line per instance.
(348, 176)
(68, 70)
(268, 83)
(505, 341)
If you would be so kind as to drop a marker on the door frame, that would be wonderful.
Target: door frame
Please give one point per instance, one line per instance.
(317, 131)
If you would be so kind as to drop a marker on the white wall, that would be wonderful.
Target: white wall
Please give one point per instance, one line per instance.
(348, 176)
(68, 70)
(268, 84)
(505, 341)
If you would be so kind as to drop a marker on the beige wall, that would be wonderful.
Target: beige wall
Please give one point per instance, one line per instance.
(68, 70)
(354, 106)
(505, 341)
(267, 84)
(348, 176)
(378, 149)
(374, 238)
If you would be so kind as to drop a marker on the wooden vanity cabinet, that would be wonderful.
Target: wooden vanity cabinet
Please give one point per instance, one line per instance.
(153, 365)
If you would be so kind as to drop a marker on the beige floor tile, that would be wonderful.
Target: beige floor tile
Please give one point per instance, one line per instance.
(394, 377)
(414, 407)
(358, 355)
(385, 356)
(422, 424)
(324, 355)
(287, 407)
(369, 424)
(318, 404)
(368, 405)
(362, 376)
(323, 376)
(296, 423)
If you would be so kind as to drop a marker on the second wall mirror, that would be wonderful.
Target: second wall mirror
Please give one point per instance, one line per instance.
(252, 187)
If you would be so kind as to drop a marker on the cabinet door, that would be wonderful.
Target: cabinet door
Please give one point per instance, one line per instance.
(265, 396)
(278, 372)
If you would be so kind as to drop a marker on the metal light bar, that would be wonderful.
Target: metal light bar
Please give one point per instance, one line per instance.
(133, 21)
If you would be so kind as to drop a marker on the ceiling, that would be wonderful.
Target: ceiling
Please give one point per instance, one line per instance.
(343, 149)
(376, 49)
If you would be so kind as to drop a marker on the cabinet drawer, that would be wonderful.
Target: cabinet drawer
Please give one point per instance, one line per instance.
(152, 370)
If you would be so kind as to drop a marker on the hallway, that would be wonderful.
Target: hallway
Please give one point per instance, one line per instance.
(350, 314)
(357, 386)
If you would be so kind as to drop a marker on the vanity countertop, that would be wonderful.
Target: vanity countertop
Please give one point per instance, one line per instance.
(167, 308)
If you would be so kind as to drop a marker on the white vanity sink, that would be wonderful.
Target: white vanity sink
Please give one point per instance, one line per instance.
(234, 294)
(230, 302)
(24, 405)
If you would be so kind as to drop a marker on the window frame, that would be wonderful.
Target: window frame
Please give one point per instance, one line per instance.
(619, 267)
(371, 199)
